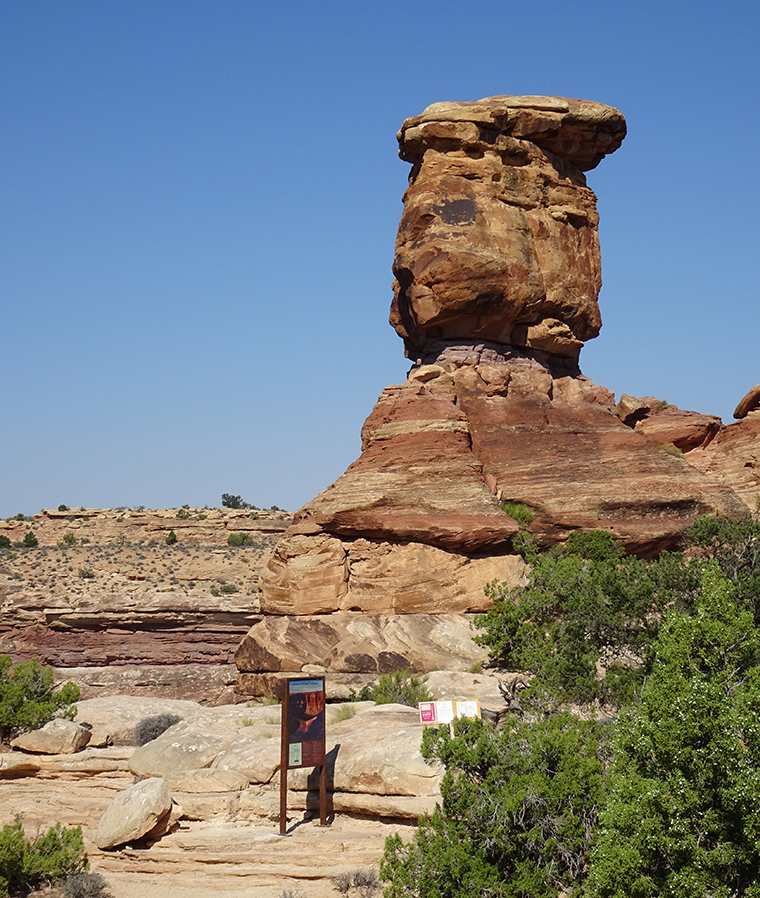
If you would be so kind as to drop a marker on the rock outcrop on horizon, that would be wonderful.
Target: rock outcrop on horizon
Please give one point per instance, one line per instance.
(497, 276)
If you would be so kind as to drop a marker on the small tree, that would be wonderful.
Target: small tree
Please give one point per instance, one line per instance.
(28, 699)
(171, 538)
(230, 501)
(518, 813)
(682, 817)
(30, 541)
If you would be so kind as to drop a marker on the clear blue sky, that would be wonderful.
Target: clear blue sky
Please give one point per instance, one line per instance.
(200, 199)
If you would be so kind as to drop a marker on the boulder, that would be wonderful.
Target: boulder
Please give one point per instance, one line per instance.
(182, 748)
(749, 403)
(58, 737)
(142, 809)
(498, 238)
(114, 721)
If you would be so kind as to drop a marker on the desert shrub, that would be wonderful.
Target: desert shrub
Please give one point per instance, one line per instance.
(240, 539)
(5, 542)
(171, 538)
(402, 687)
(86, 885)
(681, 816)
(518, 511)
(30, 541)
(343, 711)
(228, 588)
(671, 449)
(585, 605)
(49, 858)
(86, 573)
(67, 541)
(291, 893)
(150, 728)
(63, 507)
(230, 501)
(183, 514)
(518, 813)
(734, 543)
(363, 883)
(28, 699)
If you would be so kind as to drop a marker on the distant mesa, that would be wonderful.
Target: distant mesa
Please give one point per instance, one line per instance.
(498, 240)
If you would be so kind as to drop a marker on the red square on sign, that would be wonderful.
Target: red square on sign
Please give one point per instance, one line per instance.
(427, 712)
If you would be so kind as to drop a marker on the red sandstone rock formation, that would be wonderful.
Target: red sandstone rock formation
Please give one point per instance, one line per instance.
(498, 272)
(498, 240)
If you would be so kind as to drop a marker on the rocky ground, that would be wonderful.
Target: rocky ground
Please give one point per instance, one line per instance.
(227, 838)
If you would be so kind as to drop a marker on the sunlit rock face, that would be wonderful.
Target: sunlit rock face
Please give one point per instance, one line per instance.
(498, 238)
(497, 277)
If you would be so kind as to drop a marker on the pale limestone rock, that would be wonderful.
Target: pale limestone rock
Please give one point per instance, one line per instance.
(16, 766)
(181, 748)
(135, 813)
(58, 737)
(208, 781)
(115, 721)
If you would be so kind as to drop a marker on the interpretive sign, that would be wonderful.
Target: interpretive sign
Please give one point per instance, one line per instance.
(436, 713)
(303, 737)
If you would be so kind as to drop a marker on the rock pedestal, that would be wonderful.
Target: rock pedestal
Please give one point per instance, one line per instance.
(498, 273)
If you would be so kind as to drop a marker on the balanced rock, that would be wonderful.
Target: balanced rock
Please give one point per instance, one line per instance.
(58, 737)
(498, 240)
(138, 811)
(497, 276)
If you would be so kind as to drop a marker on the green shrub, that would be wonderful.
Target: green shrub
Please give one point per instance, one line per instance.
(86, 885)
(230, 501)
(49, 858)
(681, 816)
(171, 538)
(585, 622)
(518, 813)
(183, 514)
(518, 512)
(5, 542)
(240, 539)
(86, 573)
(150, 728)
(228, 588)
(30, 541)
(63, 508)
(28, 699)
(402, 687)
(67, 541)
(671, 449)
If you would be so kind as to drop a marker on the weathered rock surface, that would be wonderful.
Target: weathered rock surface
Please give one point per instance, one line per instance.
(498, 239)
(733, 458)
(58, 737)
(113, 722)
(667, 425)
(349, 642)
(749, 403)
(108, 603)
(140, 810)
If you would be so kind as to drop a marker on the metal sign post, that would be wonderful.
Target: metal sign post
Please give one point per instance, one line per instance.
(302, 738)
